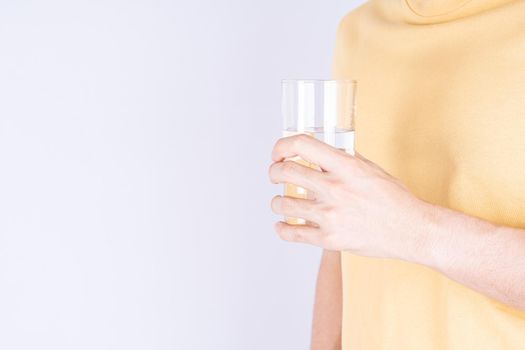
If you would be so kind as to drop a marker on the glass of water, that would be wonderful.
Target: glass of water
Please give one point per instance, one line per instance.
(323, 109)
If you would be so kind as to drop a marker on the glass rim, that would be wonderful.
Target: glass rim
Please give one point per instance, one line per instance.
(351, 81)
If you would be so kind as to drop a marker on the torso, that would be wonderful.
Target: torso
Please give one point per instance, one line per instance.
(439, 107)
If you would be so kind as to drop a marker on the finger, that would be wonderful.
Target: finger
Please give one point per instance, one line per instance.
(292, 172)
(299, 233)
(310, 149)
(295, 207)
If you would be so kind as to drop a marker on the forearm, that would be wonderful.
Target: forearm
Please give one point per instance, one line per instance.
(483, 256)
(326, 325)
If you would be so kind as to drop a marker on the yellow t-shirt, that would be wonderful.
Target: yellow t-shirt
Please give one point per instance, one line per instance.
(441, 106)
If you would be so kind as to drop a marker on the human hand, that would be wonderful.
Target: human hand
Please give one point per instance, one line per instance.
(356, 205)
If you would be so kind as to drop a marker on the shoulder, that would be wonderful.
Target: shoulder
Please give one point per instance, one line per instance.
(349, 38)
(350, 22)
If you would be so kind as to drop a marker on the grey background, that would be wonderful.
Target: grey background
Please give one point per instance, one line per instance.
(135, 138)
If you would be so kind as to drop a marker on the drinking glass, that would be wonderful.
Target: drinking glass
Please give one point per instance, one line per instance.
(323, 109)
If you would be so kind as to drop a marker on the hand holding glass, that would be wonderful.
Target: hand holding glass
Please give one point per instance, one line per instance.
(323, 109)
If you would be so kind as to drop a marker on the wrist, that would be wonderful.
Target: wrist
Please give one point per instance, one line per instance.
(447, 237)
(428, 235)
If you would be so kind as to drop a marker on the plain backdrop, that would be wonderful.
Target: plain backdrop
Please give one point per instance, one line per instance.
(135, 138)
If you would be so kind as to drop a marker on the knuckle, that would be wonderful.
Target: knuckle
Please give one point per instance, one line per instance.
(290, 233)
(345, 157)
(300, 139)
(337, 187)
(334, 191)
(279, 144)
(330, 214)
(296, 235)
(273, 171)
(288, 166)
(275, 204)
(301, 170)
(274, 153)
(348, 163)
(303, 137)
(270, 171)
(287, 204)
(357, 165)
(285, 234)
(333, 183)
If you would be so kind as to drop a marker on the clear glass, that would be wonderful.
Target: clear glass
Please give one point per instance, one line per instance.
(324, 109)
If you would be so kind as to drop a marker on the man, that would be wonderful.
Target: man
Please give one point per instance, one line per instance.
(424, 229)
